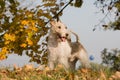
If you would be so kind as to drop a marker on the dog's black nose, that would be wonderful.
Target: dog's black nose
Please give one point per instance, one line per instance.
(67, 34)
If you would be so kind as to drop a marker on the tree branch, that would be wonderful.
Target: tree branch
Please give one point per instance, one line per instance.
(56, 16)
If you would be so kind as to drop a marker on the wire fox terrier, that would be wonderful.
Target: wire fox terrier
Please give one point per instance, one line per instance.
(61, 50)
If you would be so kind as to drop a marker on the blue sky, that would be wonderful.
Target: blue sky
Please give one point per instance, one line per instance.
(82, 21)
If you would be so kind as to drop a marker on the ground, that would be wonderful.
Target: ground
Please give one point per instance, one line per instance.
(28, 72)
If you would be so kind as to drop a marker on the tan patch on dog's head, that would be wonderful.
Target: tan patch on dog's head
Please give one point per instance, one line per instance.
(60, 29)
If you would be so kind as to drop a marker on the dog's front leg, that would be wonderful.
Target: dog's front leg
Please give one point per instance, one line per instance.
(51, 65)
(65, 63)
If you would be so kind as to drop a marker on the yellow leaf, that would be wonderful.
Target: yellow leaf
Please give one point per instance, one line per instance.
(23, 45)
(10, 37)
(117, 74)
(7, 42)
(34, 29)
(84, 70)
(102, 75)
(30, 15)
(32, 22)
(59, 66)
(29, 42)
(24, 22)
(3, 53)
(28, 30)
(21, 29)
(4, 50)
(6, 36)
(46, 69)
(21, 26)
(62, 79)
(2, 57)
(30, 35)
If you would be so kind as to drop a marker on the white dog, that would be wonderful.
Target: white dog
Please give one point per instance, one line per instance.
(59, 48)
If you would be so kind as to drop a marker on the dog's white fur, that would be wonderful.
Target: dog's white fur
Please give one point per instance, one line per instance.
(59, 49)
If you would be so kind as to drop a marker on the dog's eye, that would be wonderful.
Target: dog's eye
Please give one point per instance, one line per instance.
(59, 27)
(65, 27)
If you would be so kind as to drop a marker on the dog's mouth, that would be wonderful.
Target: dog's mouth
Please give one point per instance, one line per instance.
(62, 38)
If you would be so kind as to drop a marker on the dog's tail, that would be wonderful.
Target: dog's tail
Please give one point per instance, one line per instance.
(77, 37)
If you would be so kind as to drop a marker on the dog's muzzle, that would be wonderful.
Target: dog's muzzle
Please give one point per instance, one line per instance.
(63, 38)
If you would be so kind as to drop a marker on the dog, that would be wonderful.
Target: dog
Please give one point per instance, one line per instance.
(58, 46)
(78, 52)
(61, 50)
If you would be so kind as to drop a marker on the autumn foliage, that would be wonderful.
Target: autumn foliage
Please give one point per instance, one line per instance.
(29, 72)
(23, 29)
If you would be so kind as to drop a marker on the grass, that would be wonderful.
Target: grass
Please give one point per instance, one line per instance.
(28, 72)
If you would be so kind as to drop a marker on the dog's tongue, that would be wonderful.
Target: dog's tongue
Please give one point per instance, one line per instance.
(63, 39)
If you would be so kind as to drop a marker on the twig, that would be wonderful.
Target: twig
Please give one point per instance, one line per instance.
(55, 16)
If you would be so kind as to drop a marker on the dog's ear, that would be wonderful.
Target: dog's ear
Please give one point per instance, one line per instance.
(52, 22)
(59, 20)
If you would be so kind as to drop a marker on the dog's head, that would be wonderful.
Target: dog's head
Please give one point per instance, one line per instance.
(60, 30)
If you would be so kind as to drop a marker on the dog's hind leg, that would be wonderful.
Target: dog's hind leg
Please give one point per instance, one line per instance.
(84, 59)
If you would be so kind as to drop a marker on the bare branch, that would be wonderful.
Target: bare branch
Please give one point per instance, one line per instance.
(56, 16)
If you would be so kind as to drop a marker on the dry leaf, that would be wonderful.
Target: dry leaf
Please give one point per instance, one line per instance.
(28, 67)
(102, 75)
